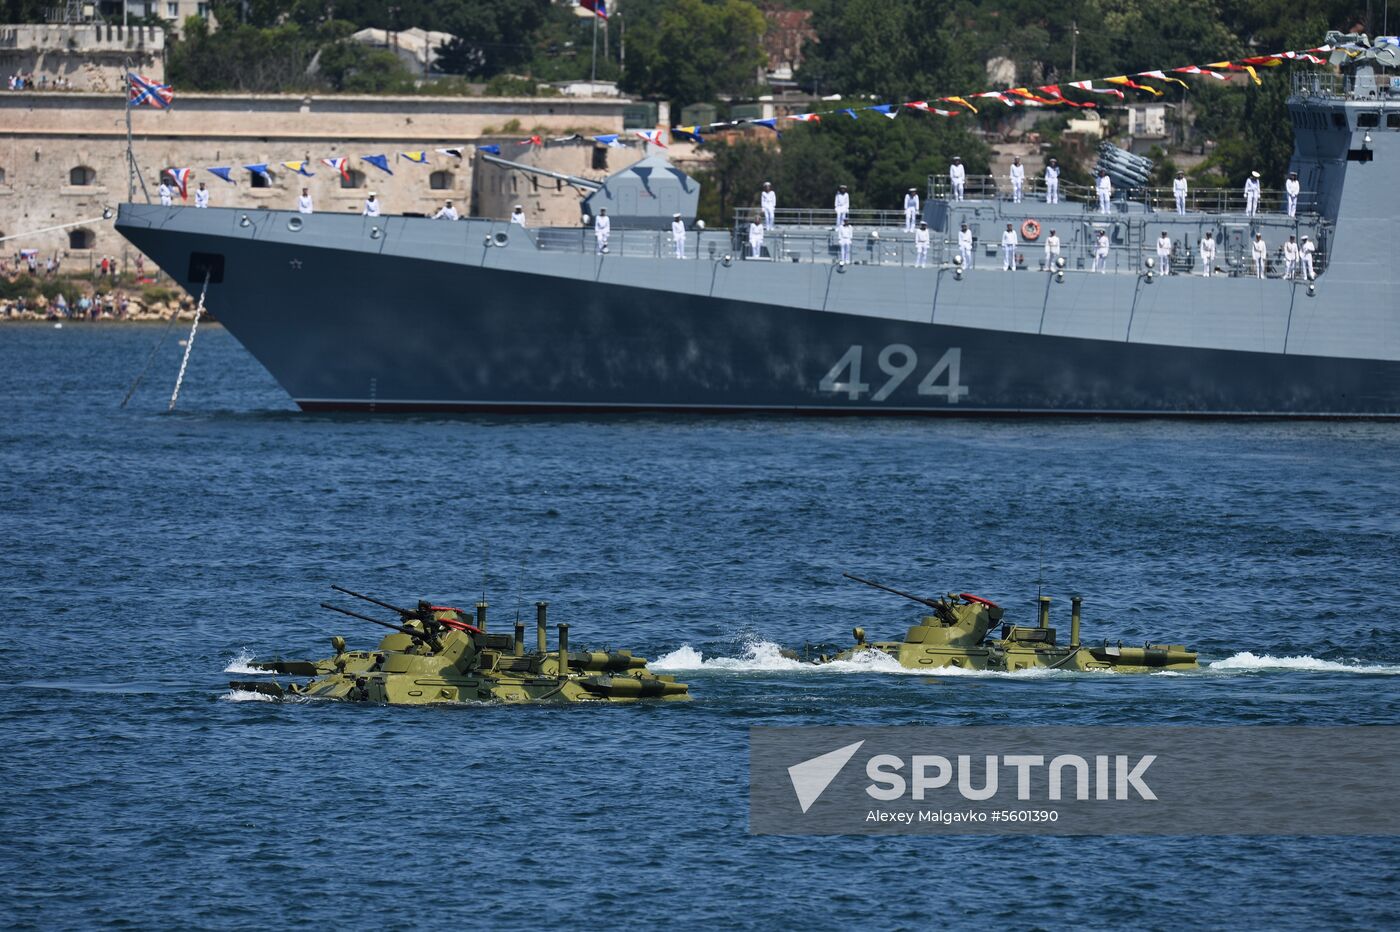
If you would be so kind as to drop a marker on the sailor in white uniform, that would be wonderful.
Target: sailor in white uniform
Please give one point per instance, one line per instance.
(921, 246)
(842, 203)
(304, 202)
(1052, 250)
(201, 197)
(965, 246)
(165, 195)
(1179, 192)
(1018, 179)
(446, 212)
(911, 209)
(843, 238)
(517, 216)
(602, 229)
(1259, 252)
(678, 235)
(371, 205)
(1208, 255)
(1291, 188)
(768, 201)
(755, 239)
(1290, 258)
(1101, 252)
(957, 178)
(1052, 182)
(1251, 194)
(1105, 188)
(1164, 253)
(1306, 250)
(1008, 249)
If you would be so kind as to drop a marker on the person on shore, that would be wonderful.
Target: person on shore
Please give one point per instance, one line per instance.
(1306, 250)
(1179, 192)
(921, 246)
(1164, 253)
(1052, 182)
(166, 195)
(104, 266)
(843, 239)
(965, 246)
(1018, 179)
(1052, 251)
(602, 229)
(517, 216)
(1259, 252)
(957, 178)
(371, 205)
(911, 209)
(1291, 188)
(1105, 188)
(1008, 249)
(446, 212)
(201, 197)
(768, 203)
(140, 266)
(1101, 252)
(842, 203)
(1208, 255)
(755, 238)
(1290, 258)
(304, 205)
(678, 235)
(1251, 194)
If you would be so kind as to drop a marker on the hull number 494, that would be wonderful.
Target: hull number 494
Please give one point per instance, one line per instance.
(898, 362)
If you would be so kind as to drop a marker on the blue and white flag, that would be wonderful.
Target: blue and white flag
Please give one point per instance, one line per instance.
(609, 140)
(223, 172)
(258, 169)
(494, 150)
(380, 162)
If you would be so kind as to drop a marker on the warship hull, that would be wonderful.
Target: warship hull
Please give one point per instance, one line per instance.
(408, 314)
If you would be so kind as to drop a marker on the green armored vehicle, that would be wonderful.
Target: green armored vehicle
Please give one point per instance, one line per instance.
(440, 654)
(959, 634)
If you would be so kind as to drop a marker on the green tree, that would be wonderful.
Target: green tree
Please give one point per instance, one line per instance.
(693, 50)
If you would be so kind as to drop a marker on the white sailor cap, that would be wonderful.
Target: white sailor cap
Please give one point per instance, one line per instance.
(371, 194)
(675, 216)
(957, 158)
(1254, 174)
(517, 206)
(913, 189)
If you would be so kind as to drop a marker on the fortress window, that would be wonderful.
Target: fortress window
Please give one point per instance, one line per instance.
(81, 176)
(1368, 119)
(600, 158)
(352, 179)
(2, 176)
(440, 181)
(81, 239)
(262, 181)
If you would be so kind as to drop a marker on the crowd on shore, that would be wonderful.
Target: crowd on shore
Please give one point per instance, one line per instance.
(20, 81)
(37, 289)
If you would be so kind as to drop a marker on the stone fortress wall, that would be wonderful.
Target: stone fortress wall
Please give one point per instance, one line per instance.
(62, 155)
(87, 57)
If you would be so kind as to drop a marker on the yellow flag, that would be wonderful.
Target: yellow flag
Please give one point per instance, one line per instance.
(959, 100)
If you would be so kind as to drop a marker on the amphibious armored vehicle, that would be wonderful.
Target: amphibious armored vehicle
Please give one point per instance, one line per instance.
(440, 654)
(957, 633)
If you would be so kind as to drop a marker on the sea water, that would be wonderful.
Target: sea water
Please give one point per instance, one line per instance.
(145, 557)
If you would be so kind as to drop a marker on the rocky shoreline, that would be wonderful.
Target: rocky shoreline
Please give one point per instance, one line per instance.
(48, 297)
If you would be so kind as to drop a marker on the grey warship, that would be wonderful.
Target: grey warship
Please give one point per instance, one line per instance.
(403, 314)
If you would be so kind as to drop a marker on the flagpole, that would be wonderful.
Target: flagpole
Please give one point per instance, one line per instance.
(593, 81)
(130, 157)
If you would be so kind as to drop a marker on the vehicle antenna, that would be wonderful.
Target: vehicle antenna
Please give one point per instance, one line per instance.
(1040, 574)
(485, 561)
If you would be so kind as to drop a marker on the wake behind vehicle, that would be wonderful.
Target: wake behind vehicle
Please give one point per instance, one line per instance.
(440, 654)
(956, 635)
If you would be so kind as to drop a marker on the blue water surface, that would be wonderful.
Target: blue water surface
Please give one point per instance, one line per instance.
(142, 553)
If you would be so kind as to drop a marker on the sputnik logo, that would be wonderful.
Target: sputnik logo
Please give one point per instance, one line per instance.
(811, 777)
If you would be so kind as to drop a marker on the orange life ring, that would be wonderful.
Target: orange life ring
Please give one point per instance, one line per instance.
(969, 597)
(1030, 230)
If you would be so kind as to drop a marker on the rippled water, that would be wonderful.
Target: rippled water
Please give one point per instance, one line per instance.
(144, 553)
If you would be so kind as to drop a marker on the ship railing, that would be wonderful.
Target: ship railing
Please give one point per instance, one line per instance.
(1159, 199)
(820, 218)
(1341, 86)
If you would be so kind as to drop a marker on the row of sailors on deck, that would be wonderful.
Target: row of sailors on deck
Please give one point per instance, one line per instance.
(1296, 256)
